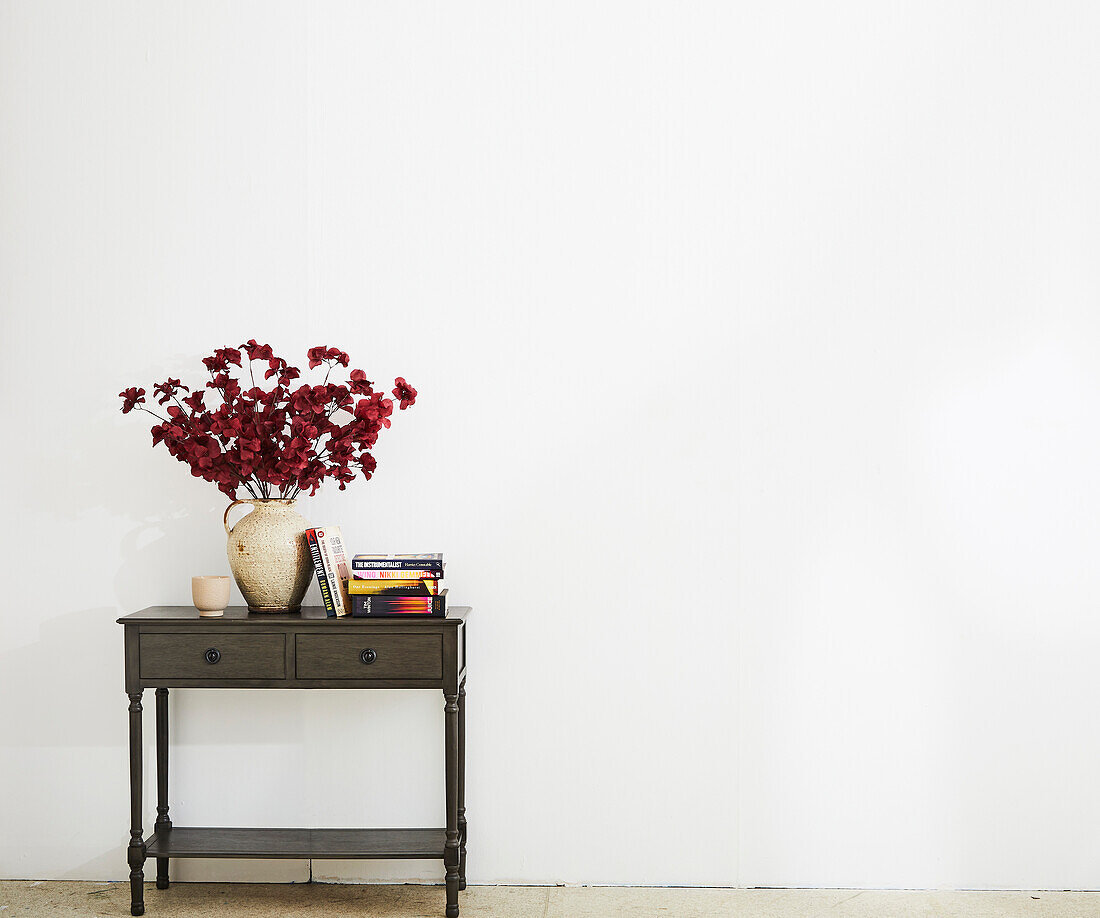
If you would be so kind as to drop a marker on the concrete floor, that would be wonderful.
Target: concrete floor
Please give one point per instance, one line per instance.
(54, 899)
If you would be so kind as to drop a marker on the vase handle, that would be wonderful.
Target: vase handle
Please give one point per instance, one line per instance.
(225, 519)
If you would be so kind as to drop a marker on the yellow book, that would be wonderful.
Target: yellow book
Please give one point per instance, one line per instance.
(398, 587)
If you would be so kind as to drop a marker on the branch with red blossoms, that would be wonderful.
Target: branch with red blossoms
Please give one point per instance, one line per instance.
(278, 441)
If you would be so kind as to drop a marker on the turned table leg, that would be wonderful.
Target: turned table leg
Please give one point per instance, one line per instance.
(135, 852)
(451, 847)
(462, 784)
(163, 823)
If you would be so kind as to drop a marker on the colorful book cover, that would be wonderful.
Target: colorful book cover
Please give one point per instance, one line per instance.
(319, 571)
(389, 606)
(427, 562)
(390, 587)
(396, 574)
(331, 542)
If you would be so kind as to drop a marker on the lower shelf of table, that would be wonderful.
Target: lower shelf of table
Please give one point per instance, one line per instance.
(297, 843)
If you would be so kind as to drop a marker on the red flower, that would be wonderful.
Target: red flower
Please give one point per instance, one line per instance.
(331, 355)
(368, 464)
(278, 440)
(167, 390)
(131, 398)
(308, 400)
(376, 409)
(223, 357)
(404, 392)
(360, 385)
(257, 351)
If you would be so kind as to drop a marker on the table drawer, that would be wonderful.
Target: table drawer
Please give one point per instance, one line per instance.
(371, 656)
(213, 656)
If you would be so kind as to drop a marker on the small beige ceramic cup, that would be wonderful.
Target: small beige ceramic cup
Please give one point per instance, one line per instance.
(211, 594)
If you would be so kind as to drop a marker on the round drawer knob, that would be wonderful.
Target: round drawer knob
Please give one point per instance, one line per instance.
(368, 656)
(212, 655)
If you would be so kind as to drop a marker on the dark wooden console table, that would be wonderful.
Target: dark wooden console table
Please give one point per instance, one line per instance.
(173, 647)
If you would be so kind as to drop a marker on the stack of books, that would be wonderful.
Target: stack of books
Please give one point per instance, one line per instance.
(374, 585)
(397, 585)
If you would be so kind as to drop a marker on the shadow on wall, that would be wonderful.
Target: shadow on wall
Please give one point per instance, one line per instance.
(81, 652)
(68, 680)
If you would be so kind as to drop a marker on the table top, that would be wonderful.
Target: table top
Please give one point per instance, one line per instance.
(311, 615)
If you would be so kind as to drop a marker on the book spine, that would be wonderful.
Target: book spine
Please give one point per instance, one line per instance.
(410, 574)
(343, 568)
(372, 606)
(393, 587)
(326, 541)
(363, 564)
(319, 570)
(330, 580)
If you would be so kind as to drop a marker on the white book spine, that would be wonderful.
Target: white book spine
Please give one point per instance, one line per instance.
(336, 572)
(342, 568)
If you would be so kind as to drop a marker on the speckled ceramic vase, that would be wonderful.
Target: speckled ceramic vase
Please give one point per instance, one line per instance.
(268, 555)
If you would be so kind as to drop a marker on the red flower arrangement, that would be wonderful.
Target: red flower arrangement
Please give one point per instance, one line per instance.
(273, 442)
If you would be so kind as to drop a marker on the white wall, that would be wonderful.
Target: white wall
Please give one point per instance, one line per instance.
(800, 298)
